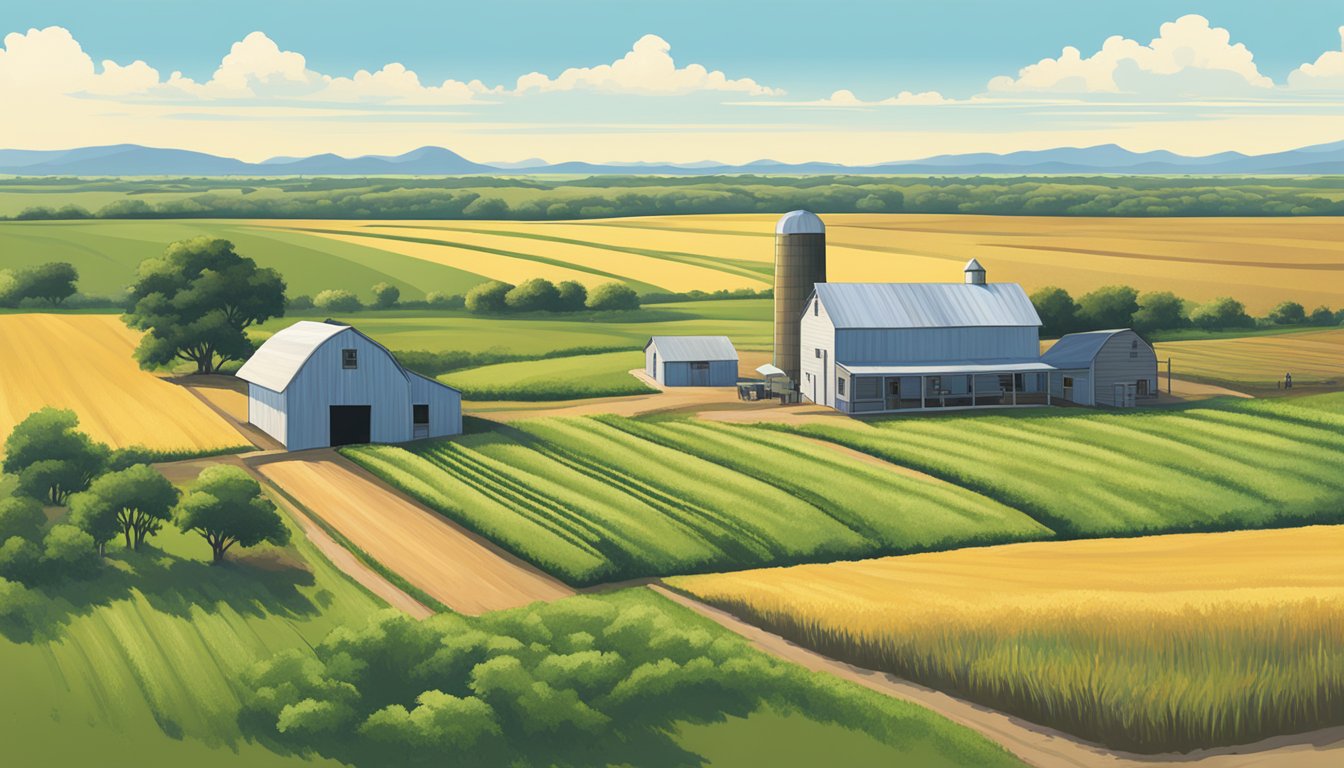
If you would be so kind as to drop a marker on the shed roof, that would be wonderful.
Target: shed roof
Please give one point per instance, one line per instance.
(926, 305)
(1024, 365)
(1078, 350)
(683, 349)
(280, 357)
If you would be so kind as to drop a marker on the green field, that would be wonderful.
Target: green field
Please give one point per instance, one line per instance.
(603, 499)
(148, 659)
(1222, 465)
(561, 378)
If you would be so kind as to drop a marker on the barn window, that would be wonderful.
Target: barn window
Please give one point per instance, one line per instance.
(818, 351)
(1134, 348)
(816, 307)
(700, 366)
(420, 414)
(840, 387)
(349, 358)
(1068, 381)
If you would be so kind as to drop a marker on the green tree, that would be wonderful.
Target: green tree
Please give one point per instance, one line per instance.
(1111, 306)
(486, 208)
(1057, 310)
(337, 301)
(871, 203)
(533, 295)
(444, 300)
(1159, 311)
(51, 457)
(135, 502)
(21, 517)
(1323, 316)
(68, 552)
(386, 295)
(488, 298)
(1288, 313)
(225, 507)
(1221, 313)
(197, 301)
(53, 282)
(573, 296)
(613, 296)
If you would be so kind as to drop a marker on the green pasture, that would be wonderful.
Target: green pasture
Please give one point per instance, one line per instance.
(601, 499)
(561, 378)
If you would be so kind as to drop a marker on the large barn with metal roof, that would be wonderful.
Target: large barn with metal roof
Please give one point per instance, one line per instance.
(314, 385)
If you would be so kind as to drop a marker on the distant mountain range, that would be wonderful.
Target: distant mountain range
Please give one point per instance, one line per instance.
(135, 160)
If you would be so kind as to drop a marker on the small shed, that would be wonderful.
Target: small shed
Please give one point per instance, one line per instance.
(314, 385)
(691, 361)
(1116, 368)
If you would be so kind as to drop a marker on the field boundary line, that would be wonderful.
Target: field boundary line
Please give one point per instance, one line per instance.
(1034, 744)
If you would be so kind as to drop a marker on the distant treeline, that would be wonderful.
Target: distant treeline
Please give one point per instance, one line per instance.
(613, 196)
(1120, 306)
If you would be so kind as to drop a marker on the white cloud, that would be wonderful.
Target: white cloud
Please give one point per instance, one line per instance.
(1188, 57)
(845, 98)
(1326, 73)
(647, 68)
(45, 63)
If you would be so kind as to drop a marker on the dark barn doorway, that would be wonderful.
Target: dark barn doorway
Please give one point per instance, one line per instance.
(350, 424)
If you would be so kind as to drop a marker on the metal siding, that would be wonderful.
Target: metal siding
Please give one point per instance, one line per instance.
(878, 346)
(445, 405)
(679, 349)
(322, 382)
(676, 374)
(1078, 350)
(266, 411)
(1113, 365)
(927, 305)
(722, 373)
(817, 333)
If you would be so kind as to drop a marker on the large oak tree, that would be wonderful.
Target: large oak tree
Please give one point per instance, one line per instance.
(196, 302)
(226, 507)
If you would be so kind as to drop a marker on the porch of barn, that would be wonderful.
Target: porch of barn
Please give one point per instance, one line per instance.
(889, 389)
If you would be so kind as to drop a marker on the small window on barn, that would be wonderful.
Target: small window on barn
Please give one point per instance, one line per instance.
(1068, 381)
(349, 358)
(840, 387)
(420, 414)
(817, 350)
(700, 366)
(816, 307)
(1134, 348)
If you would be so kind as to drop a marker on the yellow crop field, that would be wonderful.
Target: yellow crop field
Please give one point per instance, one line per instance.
(84, 363)
(1150, 644)
(1260, 261)
(1313, 357)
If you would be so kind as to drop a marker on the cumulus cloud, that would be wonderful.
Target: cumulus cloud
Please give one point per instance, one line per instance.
(1188, 57)
(1326, 73)
(846, 98)
(50, 62)
(647, 68)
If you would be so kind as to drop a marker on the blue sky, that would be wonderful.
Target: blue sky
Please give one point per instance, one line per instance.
(781, 63)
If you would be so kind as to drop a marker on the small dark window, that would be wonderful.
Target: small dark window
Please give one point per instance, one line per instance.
(701, 366)
(816, 307)
(840, 387)
(1068, 381)
(818, 351)
(420, 414)
(1134, 348)
(349, 358)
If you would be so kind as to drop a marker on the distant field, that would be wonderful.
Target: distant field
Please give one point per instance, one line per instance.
(1220, 466)
(1153, 644)
(1315, 358)
(84, 363)
(602, 499)
(561, 378)
(1260, 261)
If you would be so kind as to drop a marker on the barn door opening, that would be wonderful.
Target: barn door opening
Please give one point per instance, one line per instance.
(350, 424)
(700, 374)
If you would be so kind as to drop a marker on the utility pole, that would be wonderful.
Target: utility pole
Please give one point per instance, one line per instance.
(1168, 375)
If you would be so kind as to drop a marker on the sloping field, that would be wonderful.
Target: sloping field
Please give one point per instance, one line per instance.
(83, 362)
(1228, 464)
(560, 378)
(1260, 261)
(1152, 644)
(595, 500)
(1313, 357)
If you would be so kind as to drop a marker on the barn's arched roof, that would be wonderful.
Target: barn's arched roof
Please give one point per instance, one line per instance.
(1078, 350)
(282, 356)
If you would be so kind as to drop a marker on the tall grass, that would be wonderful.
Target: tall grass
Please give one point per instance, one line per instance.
(1150, 645)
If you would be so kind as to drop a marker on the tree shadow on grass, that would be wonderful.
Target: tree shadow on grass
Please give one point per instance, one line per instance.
(170, 584)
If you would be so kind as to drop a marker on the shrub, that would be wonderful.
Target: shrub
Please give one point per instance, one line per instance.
(19, 559)
(1057, 310)
(68, 552)
(21, 517)
(486, 208)
(1288, 313)
(337, 301)
(613, 296)
(1159, 311)
(1323, 316)
(871, 203)
(1220, 314)
(442, 300)
(573, 296)
(300, 302)
(385, 295)
(487, 298)
(51, 457)
(1112, 306)
(533, 295)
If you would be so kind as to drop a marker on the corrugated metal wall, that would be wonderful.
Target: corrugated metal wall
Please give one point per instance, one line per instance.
(875, 346)
(1123, 359)
(445, 406)
(266, 411)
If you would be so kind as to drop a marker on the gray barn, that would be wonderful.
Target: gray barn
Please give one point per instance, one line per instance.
(314, 385)
(691, 361)
(1116, 368)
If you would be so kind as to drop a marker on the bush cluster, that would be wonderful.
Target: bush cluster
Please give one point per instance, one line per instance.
(1120, 306)
(541, 295)
(578, 682)
(51, 283)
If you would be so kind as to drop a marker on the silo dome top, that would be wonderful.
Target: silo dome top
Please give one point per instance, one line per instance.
(800, 223)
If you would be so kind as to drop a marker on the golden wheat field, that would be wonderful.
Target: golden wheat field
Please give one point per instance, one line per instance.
(1313, 357)
(1150, 644)
(84, 363)
(1260, 261)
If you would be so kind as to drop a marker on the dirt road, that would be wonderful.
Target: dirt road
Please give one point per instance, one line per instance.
(454, 566)
(1033, 744)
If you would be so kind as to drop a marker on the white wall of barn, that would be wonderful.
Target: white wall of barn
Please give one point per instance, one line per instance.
(816, 377)
(266, 411)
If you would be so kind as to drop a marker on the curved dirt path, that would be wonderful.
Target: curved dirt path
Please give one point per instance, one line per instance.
(456, 567)
(1033, 744)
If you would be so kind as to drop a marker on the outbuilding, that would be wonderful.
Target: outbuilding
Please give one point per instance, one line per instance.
(691, 361)
(1116, 368)
(319, 384)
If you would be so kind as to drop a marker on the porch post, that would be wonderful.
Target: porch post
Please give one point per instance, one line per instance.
(1014, 388)
(1048, 377)
(923, 388)
(973, 377)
